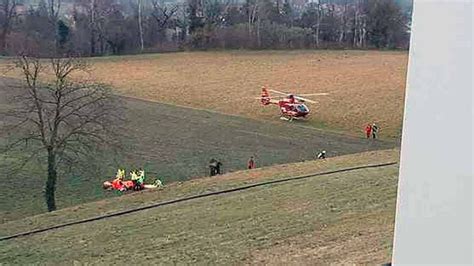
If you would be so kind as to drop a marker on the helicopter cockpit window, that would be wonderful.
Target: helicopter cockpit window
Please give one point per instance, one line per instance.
(302, 108)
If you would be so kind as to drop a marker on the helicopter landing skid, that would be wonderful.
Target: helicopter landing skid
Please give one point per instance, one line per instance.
(286, 118)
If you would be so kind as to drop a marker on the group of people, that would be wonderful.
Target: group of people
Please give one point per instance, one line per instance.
(215, 166)
(136, 182)
(137, 176)
(371, 130)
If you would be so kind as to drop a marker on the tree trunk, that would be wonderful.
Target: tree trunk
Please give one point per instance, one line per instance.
(318, 23)
(51, 181)
(54, 19)
(356, 25)
(3, 42)
(92, 27)
(252, 21)
(92, 50)
(363, 35)
(342, 33)
(140, 28)
(249, 25)
(259, 41)
(341, 37)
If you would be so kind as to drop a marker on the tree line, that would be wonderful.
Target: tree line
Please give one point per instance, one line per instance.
(109, 27)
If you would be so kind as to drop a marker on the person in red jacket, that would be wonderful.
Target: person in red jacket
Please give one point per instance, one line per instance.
(265, 99)
(123, 185)
(116, 184)
(368, 130)
(251, 163)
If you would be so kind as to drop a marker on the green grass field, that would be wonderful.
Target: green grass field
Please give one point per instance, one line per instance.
(345, 218)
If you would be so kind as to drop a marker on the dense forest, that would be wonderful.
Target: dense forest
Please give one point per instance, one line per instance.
(105, 27)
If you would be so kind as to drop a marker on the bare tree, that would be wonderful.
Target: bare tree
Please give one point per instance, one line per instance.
(98, 15)
(54, 7)
(61, 121)
(360, 24)
(163, 14)
(252, 13)
(7, 14)
(166, 15)
(343, 23)
(312, 19)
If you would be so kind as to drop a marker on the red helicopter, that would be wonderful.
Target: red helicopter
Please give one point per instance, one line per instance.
(291, 106)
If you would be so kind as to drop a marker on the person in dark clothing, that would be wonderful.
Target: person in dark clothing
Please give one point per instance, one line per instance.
(213, 167)
(375, 130)
(322, 155)
(218, 168)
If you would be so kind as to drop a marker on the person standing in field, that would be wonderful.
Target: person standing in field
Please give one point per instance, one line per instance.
(368, 130)
(138, 182)
(213, 167)
(375, 130)
(265, 99)
(251, 163)
(218, 167)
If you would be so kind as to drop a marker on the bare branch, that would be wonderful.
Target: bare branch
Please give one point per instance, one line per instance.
(15, 169)
(65, 118)
(162, 14)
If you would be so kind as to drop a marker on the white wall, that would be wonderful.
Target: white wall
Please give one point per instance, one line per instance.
(434, 209)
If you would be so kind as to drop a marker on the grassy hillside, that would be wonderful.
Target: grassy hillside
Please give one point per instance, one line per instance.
(344, 218)
(364, 86)
(175, 144)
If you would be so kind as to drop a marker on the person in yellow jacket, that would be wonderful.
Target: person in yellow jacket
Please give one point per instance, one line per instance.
(120, 174)
(138, 178)
(136, 182)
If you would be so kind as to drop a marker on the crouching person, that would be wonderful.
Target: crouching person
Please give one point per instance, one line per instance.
(321, 155)
(138, 179)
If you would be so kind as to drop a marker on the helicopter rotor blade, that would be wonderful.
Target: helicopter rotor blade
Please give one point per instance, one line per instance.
(279, 92)
(299, 97)
(315, 94)
(309, 94)
(304, 99)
